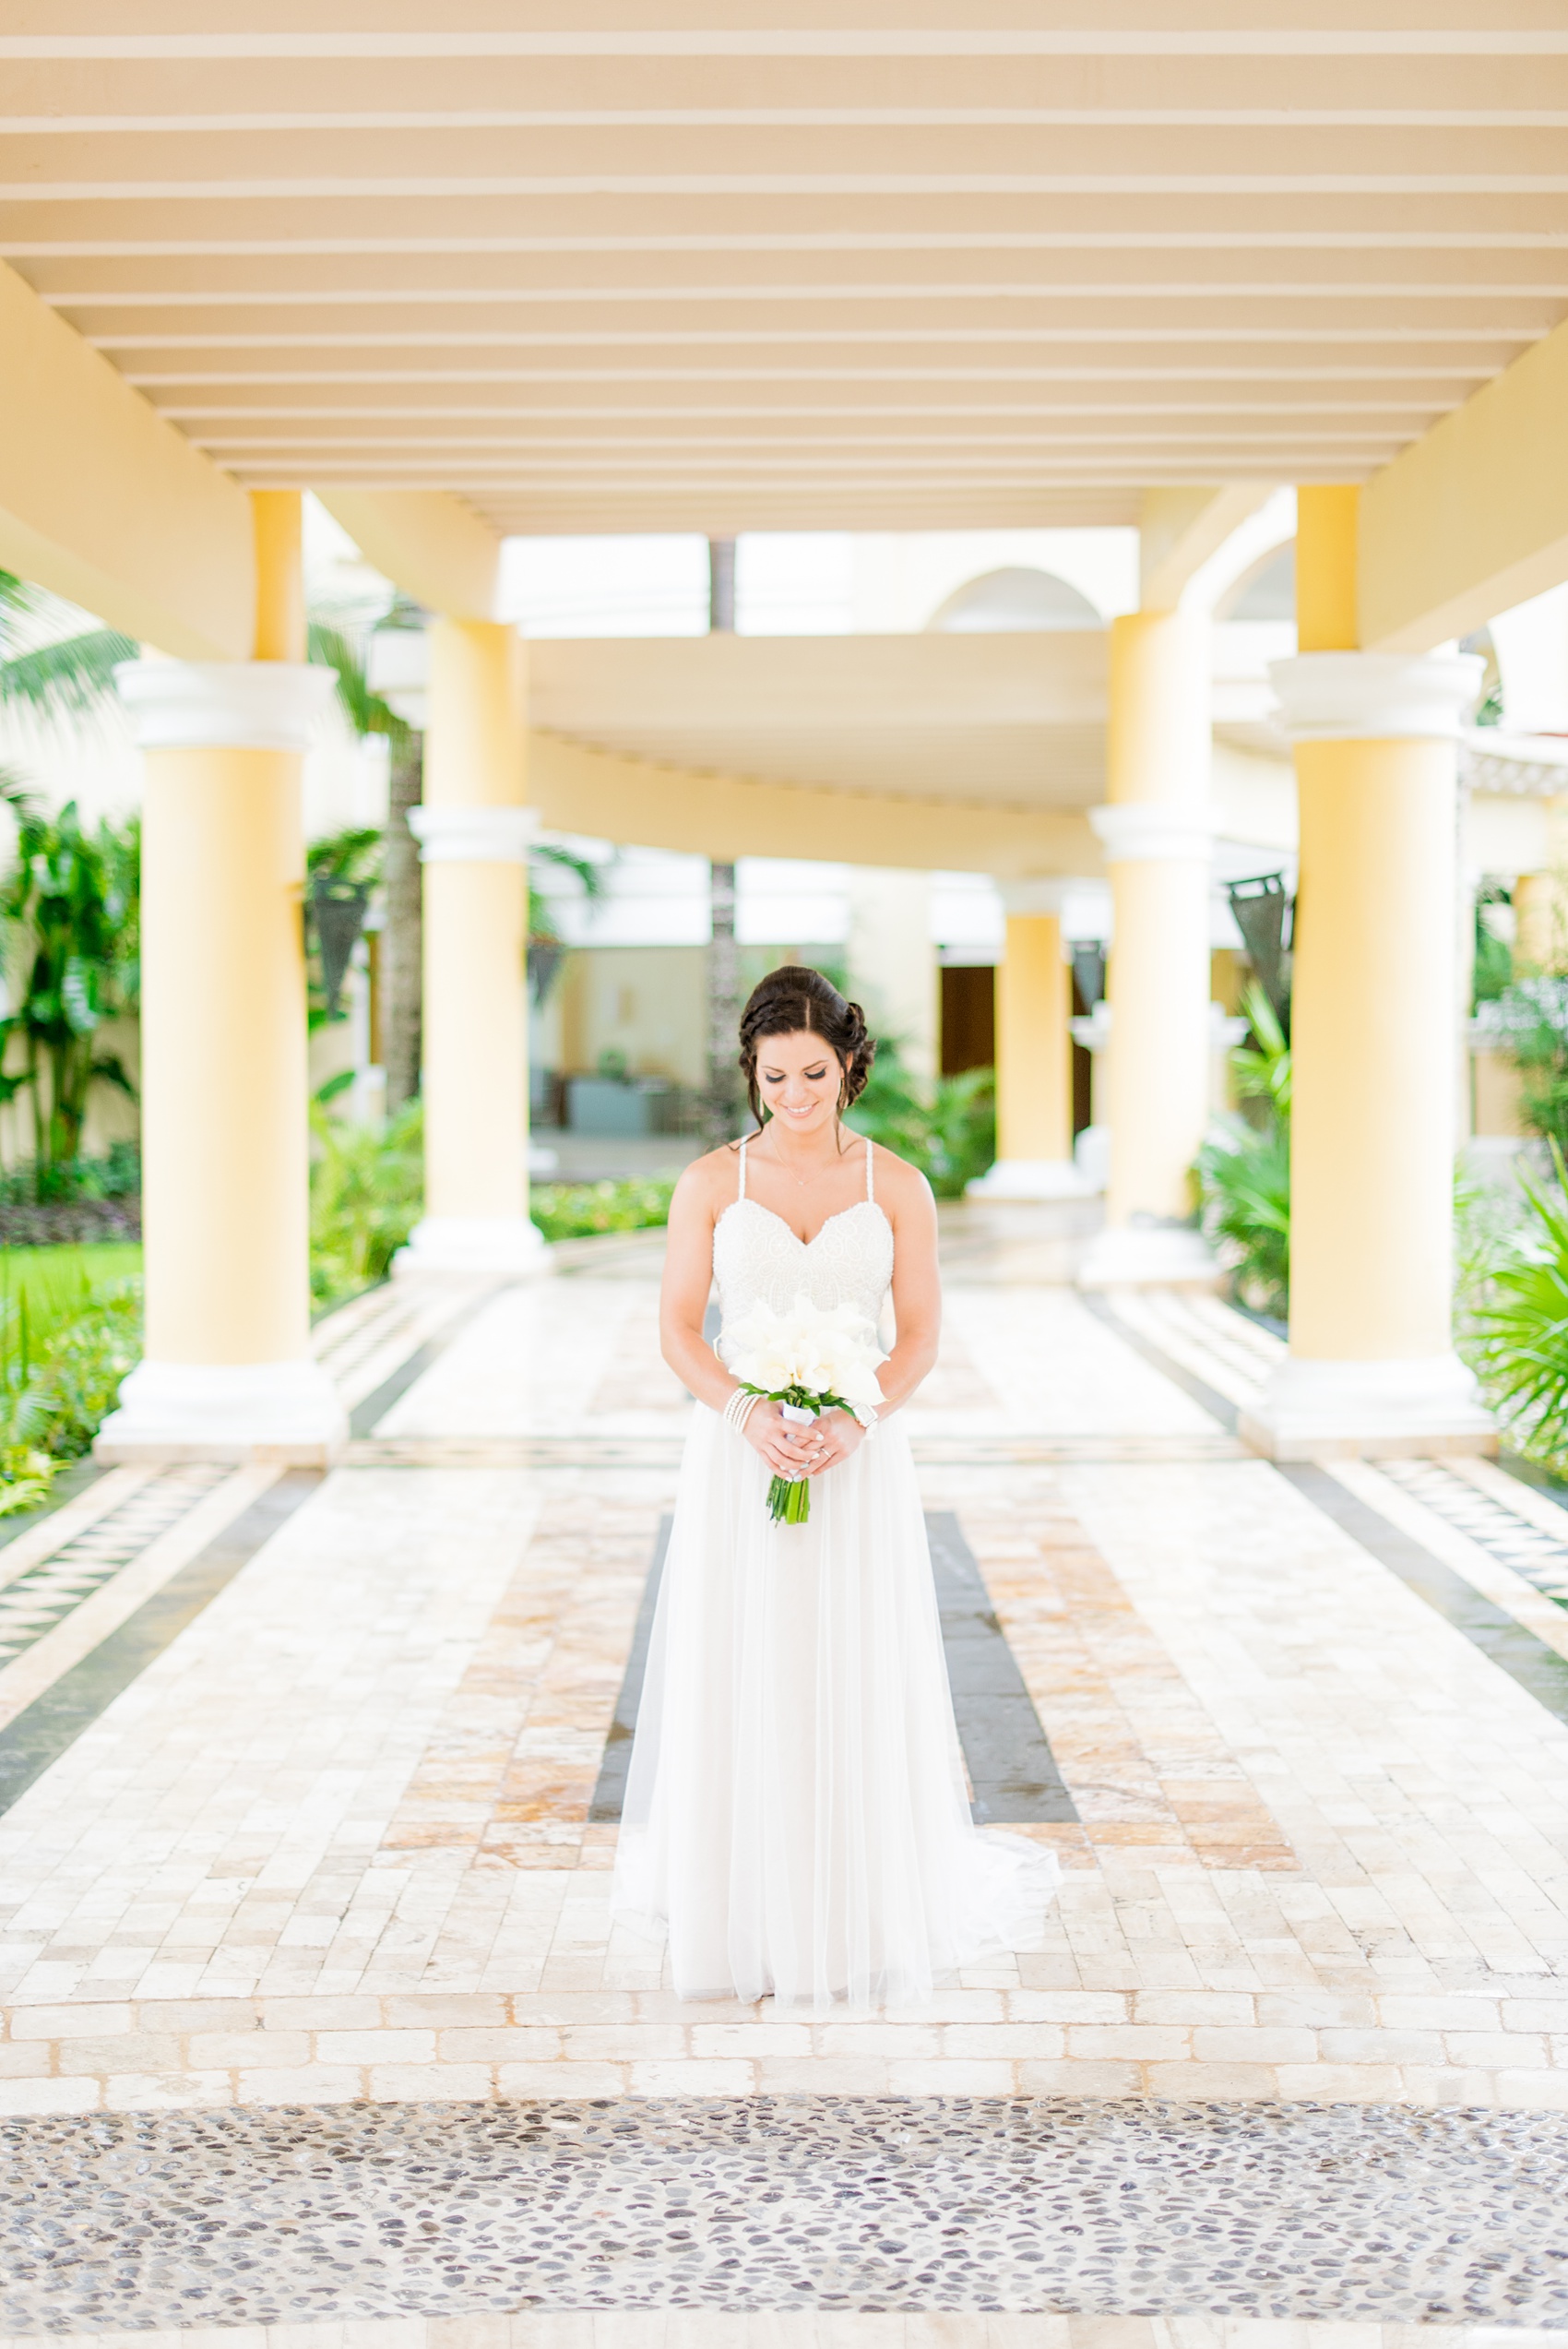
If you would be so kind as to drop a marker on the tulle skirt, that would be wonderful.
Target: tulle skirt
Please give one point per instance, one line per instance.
(796, 1814)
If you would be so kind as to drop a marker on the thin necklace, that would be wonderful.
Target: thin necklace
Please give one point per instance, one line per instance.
(801, 1181)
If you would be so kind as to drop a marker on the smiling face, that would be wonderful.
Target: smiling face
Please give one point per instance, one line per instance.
(799, 1079)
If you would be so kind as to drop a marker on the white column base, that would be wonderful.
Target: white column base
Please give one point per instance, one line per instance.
(476, 1243)
(1029, 1178)
(1150, 1255)
(1367, 1411)
(287, 1412)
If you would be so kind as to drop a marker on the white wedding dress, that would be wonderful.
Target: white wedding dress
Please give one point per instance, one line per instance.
(796, 1814)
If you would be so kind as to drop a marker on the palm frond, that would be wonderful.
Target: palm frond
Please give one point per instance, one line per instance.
(71, 678)
(367, 712)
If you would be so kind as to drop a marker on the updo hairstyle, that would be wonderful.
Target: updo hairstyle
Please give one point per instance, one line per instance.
(792, 1001)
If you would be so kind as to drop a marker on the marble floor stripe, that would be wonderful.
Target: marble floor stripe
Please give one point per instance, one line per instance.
(1506, 1643)
(1209, 1398)
(1014, 1780)
(871, 2205)
(610, 1791)
(43, 1730)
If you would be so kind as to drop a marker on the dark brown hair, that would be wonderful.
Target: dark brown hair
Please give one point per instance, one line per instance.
(793, 1001)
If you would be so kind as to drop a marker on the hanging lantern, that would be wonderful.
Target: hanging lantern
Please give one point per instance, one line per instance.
(1088, 972)
(337, 910)
(1264, 914)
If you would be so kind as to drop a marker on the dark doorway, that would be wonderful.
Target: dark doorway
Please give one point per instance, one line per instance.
(968, 1017)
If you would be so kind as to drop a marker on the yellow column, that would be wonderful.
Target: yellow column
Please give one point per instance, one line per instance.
(1371, 1369)
(1034, 1061)
(1156, 833)
(474, 831)
(228, 1373)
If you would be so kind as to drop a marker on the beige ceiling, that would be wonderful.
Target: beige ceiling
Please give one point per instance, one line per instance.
(1014, 722)
(793, 266)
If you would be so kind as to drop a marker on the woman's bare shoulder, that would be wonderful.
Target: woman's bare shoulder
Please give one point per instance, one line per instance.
(897, 1183)
(712, 1180)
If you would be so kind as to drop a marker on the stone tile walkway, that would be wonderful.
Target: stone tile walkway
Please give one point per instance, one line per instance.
(332, 1847)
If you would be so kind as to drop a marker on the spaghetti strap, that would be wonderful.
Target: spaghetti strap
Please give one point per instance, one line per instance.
(871, 1187)
(742, 1192)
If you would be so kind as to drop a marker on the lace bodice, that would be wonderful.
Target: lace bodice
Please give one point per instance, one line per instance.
(757, 1258)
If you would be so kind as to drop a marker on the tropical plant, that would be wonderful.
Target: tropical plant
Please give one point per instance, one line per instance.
(72, 676)
(1493, 963)
(945, 1127)
(1264, 1069)
(70, 906)
(1518, 1326)
(547, 951)
(1244, 1185)
(64, 1351)
(366, 1194)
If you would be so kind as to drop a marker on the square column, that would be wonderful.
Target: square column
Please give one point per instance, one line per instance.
(1372, 1370)
(1157, 832)
(1034, 1065)
(474, 831)
(228, 1373)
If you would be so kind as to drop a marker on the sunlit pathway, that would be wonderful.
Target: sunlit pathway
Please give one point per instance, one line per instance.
(299, 1777)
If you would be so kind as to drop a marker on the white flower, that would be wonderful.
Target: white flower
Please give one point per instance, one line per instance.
(825, 1350)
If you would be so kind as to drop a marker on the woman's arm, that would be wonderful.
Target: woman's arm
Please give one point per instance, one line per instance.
(688, 1276)
(917, 1286)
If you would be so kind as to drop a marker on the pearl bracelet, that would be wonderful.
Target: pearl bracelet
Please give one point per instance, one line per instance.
(738, 1408)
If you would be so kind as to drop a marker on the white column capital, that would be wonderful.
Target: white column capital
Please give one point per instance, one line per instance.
(1026, 897)
(224, 705)
(1142, 831)
(1375, 696)
(473, 835)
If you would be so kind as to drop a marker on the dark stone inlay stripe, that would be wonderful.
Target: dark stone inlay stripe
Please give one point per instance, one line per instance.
(367, 1415)
(1537, 1668)
(1013, 1772)
(1207, 1398)
(291, 2215)
(610, 1794)
(43, 1730)
(1012, 1769)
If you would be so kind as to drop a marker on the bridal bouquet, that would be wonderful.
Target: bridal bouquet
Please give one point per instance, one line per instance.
(811, 1359)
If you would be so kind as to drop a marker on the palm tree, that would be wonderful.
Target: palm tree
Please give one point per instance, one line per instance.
(402, 946)
(73, 677)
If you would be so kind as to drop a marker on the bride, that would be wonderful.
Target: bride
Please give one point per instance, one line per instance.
(796, 1813)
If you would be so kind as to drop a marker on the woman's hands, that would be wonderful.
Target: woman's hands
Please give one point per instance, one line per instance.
(794, 1451)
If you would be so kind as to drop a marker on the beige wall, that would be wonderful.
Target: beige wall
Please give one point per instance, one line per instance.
(110, 1117)
(648, 1002)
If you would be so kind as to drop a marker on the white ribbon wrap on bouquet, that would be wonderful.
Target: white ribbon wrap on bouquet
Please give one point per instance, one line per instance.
(797, 1418)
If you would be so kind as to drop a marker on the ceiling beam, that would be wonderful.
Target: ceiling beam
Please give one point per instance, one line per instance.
(107, 505)
(579, 789)
(1473, 517)
(1181, 529)
(430, 545)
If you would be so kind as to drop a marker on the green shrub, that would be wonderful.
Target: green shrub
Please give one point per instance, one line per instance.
(1515, 1333)
(366, 1194)
(1244, 1182)
(580, 1210)
(62, 1355)
(947, 1128)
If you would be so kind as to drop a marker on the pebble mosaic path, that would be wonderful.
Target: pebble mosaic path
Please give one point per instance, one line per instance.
(859, 2204)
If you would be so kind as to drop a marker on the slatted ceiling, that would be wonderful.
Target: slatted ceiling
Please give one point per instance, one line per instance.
(768, 269)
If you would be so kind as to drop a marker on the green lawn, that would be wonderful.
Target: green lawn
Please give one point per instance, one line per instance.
(54, 1281)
